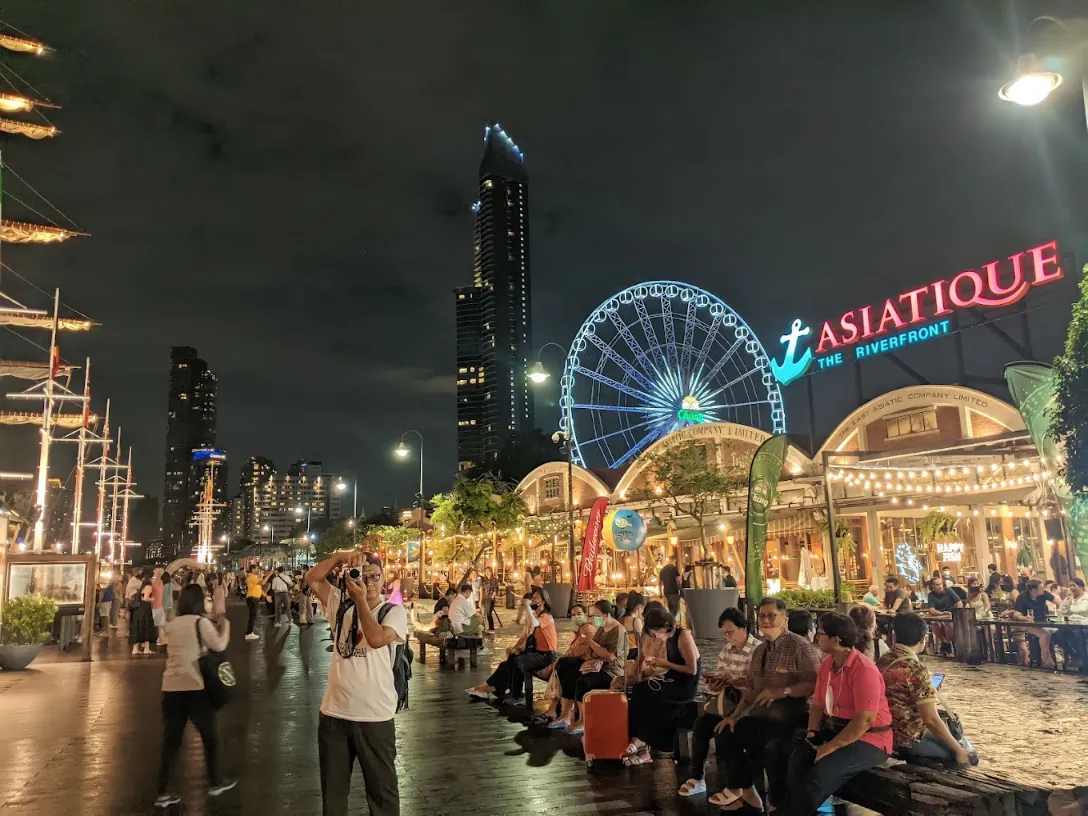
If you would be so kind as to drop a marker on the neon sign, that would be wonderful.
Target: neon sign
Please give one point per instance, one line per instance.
(917, 315)
(690, 411)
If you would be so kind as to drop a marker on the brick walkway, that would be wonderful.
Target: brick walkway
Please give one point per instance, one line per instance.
(84, 739)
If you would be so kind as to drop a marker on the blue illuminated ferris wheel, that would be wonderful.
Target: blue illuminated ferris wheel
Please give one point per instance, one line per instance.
(657, 357)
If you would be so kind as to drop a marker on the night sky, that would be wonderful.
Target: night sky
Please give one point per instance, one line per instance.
(286, 186)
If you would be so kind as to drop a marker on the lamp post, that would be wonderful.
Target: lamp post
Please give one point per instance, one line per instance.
(1056, 48)
(341, 486)
(402, 451)
(268, 528)
(539, 375)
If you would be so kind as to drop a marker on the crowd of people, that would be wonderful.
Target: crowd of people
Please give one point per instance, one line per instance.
(1028, 600)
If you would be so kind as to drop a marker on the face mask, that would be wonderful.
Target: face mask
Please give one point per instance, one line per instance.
(579, 620)
(598, 621)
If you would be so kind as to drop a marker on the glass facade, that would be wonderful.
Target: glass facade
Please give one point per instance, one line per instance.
(907, 554)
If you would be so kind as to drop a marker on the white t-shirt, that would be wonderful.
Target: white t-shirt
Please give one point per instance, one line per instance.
(279, 584)
(461, 610)
(361, 687)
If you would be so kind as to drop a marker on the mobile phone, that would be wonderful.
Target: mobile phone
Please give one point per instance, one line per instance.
(936, 681)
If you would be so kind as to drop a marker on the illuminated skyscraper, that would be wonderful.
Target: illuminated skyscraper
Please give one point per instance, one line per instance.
(190, 424)
(494, 315)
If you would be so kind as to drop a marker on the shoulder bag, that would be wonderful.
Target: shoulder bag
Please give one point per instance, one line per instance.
(216, 671)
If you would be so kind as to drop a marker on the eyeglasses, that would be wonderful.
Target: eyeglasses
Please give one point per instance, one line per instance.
(371, 577)
(771, 618)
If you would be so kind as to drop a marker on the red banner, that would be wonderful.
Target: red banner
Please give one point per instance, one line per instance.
(591, 544)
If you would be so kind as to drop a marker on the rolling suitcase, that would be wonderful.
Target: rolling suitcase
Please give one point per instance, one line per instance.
(605, 722)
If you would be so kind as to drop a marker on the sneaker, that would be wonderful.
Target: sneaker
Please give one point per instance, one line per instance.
(222, 787)
(483, 650)
(164, 800)
(252, 636)
(479, 695)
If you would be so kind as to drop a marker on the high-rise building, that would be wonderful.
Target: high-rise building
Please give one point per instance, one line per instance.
(290, 503)
(190, 425)
(494, 315)
(255, 473)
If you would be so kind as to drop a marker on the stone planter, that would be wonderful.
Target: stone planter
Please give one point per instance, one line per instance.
(17, 658)
(705, 606)
(559, 599)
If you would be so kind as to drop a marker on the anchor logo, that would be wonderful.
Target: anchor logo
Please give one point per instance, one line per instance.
(791, 368)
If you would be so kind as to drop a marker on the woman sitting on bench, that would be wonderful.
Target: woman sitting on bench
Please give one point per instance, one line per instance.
(655, 702)
(528, 656)
(578, 677)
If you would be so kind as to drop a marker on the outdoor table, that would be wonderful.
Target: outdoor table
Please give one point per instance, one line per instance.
(1002, 630)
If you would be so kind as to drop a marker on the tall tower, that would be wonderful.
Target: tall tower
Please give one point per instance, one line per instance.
(190, 425)
(494, 315)
(255, 473)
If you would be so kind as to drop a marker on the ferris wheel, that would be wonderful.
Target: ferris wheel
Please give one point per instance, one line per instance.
(657, 357)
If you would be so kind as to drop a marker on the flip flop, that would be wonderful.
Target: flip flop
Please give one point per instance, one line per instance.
(693, 787)
(723, 798)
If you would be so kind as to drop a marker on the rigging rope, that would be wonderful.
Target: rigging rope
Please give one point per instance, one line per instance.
(56, 209)
(49, 295)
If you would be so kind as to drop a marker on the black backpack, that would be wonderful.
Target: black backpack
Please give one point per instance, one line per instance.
(402, 664)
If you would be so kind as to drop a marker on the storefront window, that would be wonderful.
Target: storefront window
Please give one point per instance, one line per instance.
(913, 559)
(1014, 543)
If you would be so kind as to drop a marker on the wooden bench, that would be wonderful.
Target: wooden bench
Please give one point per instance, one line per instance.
(447, 651)
(924, 790)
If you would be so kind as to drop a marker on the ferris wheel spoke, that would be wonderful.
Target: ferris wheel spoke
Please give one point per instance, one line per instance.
(655, 433)
(689, 334)
(621, 409)
(601, 438)
(649, 331)
(711, 335)
(670, 329)
(622, 387)
(736, 380)
(710, 375)
(614, 356)
(731, 405)
(633, 344)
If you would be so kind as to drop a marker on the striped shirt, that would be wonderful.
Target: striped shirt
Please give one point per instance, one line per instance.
(733, 661)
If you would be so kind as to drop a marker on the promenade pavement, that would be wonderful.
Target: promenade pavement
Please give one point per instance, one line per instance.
(79, 738)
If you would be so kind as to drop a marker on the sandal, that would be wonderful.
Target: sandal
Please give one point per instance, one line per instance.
(693, 787)
(641, 758)
(723, 798)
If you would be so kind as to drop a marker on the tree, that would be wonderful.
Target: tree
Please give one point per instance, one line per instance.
(473, 509)
(694, 487)
(337, 538)
(1070, 421)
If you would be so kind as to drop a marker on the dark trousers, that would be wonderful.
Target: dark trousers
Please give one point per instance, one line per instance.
(749, 744)
(509, 676)
(283, 607)
(700, 739)
(674, 604)
(374, 744)
(179, 707)
(252, 604)
(491, 613)
(811, 784)
(576, 685)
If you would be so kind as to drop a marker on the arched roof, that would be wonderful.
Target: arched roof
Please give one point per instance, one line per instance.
(712, 431)
(560, 469)
(920, 396)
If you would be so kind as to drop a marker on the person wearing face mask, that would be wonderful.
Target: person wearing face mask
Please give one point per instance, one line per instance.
(533, 652)
(577, 677)
(656, 702)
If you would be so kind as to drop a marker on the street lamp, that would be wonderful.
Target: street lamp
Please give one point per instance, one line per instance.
(402, 452)
(341, 486)
(299, 511)
(538, 375)
(1057, 46)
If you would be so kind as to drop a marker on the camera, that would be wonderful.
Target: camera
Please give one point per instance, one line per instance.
(354, 574)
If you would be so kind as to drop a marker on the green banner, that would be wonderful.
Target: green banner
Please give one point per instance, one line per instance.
(762, 484)
(1033, 387)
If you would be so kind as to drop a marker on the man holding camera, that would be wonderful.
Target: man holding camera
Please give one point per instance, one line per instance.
(361, 697)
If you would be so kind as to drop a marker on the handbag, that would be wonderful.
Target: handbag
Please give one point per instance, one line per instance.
(216, 671)
(723, 703)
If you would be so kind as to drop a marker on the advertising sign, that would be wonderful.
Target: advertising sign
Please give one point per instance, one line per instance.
(591, 544)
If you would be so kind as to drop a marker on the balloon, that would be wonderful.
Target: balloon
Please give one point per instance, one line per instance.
(624, 530)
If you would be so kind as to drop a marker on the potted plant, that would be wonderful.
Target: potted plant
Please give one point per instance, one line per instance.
(26, 624)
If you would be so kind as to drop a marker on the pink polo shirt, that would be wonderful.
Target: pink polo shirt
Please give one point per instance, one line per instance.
(858, 686)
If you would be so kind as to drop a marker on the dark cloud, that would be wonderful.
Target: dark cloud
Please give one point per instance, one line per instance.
(285, 185)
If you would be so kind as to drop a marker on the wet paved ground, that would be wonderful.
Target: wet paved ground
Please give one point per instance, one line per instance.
(84, 739)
